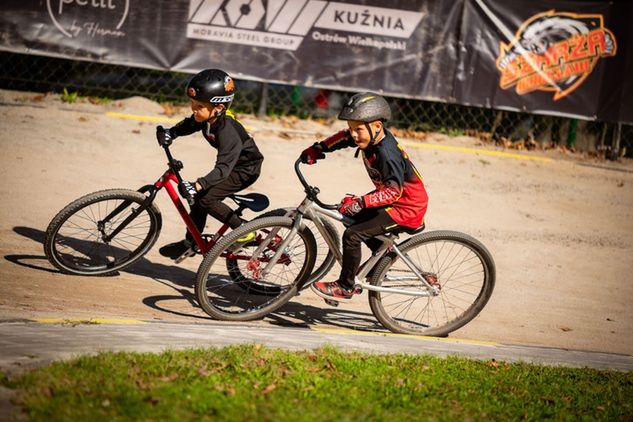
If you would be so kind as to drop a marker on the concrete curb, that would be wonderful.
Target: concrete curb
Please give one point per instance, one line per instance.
(25, 344)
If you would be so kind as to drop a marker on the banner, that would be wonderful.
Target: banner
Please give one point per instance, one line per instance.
(553, 57)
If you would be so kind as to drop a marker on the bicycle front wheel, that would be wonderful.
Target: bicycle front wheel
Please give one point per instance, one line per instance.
(77, 242)
(255, 269)
(460, 271)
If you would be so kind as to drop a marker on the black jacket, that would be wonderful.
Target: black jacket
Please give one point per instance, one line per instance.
(236, 148)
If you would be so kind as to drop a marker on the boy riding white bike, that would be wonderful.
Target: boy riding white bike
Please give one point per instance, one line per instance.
(399, 200)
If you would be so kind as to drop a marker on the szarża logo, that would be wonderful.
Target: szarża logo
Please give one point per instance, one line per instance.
(283, 24)
(91, 18)
(554, 51)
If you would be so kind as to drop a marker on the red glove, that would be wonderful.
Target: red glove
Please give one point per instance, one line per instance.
(312, 154)
(351, 205)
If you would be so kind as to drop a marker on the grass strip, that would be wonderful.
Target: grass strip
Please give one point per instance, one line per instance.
(251, 382)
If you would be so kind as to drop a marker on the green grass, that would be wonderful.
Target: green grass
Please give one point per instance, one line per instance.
(69, 97)
(257, 383)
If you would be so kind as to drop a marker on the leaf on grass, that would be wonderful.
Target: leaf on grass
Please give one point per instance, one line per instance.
(229, 390)
(47, 391)
(493, 364)
(143, 385)
(153, 400)
(269, 389)
(218, 368)
(170, 378)
(203, 372)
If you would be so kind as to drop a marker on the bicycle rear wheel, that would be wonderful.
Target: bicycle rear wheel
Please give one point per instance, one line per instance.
(74, 238)
(236, 282)
(459, 266)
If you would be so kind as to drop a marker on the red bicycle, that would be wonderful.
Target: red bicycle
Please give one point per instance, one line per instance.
(107, 231)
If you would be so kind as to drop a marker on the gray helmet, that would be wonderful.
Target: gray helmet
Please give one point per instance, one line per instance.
(212, 86)
(366, 107)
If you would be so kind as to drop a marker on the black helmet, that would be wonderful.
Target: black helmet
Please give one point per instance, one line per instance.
(213, 86)
(366, 107)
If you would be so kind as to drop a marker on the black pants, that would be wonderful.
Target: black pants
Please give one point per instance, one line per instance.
(369, 222)
(210, 201)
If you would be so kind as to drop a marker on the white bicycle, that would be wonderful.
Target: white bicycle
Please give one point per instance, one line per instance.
(428, 284)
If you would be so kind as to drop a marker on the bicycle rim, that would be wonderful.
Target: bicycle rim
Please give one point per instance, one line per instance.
(235, 281)
(459, 265)
(74, 239)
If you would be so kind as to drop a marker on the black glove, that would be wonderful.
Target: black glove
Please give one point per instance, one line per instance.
(187, 189)
(164, 136)
(312, 154)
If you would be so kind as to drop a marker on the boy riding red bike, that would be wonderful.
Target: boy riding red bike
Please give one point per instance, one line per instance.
(238, 163)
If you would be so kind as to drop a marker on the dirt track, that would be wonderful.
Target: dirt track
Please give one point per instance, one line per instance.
(560, 230)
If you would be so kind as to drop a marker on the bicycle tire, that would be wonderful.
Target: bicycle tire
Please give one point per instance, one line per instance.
(73, 241)
(325, 259)
(220, 295)
(462, 266)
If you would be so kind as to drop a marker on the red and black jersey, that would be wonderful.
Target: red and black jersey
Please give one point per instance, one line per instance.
(399, 186)
(236, 148)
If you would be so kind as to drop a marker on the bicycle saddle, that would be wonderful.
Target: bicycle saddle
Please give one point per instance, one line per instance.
(414, 231)
(407, 230)
(253, 201)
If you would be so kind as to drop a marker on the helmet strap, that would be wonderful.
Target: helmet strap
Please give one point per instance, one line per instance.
(372, 135)
(372, 138)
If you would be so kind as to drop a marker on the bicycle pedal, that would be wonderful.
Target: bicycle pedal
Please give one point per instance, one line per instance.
(186, 254)
(331, 302)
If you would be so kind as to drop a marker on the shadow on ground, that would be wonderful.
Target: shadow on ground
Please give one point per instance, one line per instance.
(293, 314)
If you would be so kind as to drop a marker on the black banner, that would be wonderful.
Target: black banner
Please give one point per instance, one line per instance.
(559, 57)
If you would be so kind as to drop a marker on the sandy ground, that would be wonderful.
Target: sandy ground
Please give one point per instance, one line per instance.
(559, 226)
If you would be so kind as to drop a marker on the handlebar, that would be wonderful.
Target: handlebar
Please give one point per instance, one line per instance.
(175, 166)
(311, 191)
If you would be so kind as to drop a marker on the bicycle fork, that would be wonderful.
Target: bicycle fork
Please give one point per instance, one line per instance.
(106, 238)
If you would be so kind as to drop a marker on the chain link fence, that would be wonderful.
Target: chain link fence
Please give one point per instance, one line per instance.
(511, 129)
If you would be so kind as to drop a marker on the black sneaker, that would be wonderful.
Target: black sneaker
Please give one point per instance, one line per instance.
(177, 249)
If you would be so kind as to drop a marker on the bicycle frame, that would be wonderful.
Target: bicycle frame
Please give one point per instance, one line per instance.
(312, 207)
(309, 208)
(168, 180)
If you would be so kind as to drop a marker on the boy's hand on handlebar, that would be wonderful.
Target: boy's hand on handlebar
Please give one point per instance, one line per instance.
(164, 136)
(311, 155)
(351, 205)
(187, 189)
